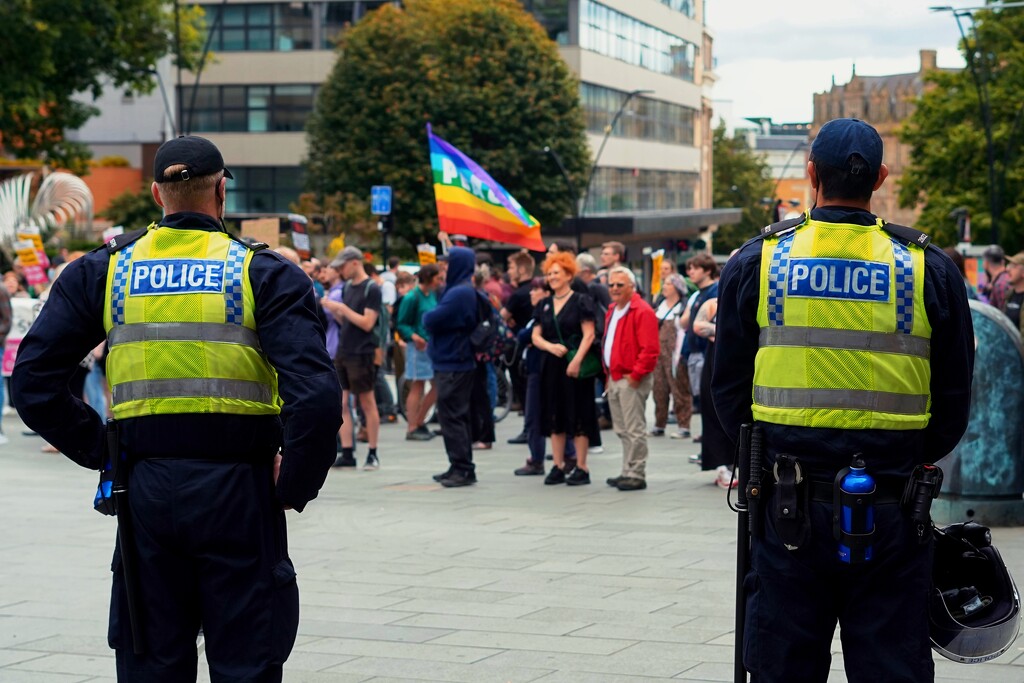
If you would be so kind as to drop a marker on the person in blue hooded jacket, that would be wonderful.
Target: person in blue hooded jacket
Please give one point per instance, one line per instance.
(450, 325)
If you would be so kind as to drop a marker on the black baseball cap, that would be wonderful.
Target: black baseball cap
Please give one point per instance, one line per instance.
(840, 139)
(199, 156)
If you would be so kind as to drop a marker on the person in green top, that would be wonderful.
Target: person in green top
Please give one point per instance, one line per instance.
(418, 368)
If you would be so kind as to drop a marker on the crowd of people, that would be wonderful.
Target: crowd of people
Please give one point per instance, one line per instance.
(584, 347)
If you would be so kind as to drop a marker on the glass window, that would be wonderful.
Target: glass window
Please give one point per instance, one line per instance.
(253, 108)
(622, 37)
(643, 118)
(339, 15)
(264, 189)
(628, 189)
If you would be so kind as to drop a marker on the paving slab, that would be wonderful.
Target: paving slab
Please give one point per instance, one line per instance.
(508, 581)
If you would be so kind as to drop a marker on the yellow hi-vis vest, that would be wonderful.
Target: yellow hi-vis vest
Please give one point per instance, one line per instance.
(845, 340)
(180, 328)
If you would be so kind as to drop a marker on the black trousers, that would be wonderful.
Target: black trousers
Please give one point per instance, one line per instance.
(796, 597)
(212, 552)
(454, 392)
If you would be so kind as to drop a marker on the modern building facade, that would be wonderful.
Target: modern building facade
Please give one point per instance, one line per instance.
(654, 171)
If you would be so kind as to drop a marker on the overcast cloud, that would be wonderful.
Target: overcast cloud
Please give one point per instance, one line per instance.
(772, 56)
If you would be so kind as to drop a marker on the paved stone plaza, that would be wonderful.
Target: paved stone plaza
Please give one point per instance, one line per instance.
(402, 580)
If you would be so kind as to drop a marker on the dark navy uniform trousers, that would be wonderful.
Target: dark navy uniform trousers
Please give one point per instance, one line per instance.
(212, 552)
(796, 597)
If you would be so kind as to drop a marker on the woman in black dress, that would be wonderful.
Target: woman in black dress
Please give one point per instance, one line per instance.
(716, 447)
(565, 321)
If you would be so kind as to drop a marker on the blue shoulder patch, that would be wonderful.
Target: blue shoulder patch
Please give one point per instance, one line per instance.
(833, 278)
(176, 276)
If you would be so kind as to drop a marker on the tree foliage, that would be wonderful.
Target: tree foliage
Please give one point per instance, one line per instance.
(51, 50)
(487, 78)
(132, 210)
(743, 180)
(949, 163)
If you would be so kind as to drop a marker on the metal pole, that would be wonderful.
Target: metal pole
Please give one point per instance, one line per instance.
(607, 133)
(572, 194)
(986, 121)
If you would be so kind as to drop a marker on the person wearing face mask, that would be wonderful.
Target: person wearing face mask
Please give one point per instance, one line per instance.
(226, 407)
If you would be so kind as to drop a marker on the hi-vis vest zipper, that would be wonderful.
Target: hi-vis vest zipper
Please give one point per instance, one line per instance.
(180, 328)
(845, 341)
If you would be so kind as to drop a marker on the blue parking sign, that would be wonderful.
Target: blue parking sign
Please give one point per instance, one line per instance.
(380, 200)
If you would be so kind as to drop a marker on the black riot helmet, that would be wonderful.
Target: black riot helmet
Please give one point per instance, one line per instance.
(974, 608)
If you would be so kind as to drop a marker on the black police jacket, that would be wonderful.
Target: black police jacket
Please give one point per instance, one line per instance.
(70, 325)
(825, 451)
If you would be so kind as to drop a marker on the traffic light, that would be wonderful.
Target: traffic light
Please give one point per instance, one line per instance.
(683, 245)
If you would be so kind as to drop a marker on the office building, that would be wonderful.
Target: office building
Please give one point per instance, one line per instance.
(653, 178)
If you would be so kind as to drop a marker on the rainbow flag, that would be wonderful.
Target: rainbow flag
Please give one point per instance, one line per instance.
(470, 202)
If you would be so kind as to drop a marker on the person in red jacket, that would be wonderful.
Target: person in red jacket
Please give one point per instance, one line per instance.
(630, 352)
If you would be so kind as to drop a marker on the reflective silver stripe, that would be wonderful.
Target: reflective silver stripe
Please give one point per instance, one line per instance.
(202, 387)
(198, 332)
(854, 340)
(842, 399)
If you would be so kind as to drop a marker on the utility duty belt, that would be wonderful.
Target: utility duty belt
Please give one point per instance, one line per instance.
(785, 493)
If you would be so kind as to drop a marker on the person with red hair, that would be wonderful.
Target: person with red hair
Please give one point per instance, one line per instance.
(564, 328)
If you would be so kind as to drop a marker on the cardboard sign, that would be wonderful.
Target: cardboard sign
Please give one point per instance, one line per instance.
(266, 230)
(427, 253)
(23, 313)
(656, 258)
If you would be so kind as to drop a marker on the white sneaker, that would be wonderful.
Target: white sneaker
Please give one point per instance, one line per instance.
(725, 478)
(596, 449)
(8, 410)
(681, 434)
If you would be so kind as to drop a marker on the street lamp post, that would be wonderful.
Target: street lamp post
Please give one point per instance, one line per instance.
(590, 178)
(984, 102)
(573, 195)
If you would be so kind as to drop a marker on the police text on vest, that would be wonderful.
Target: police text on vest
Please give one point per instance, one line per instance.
(177, 276)
(833, 278)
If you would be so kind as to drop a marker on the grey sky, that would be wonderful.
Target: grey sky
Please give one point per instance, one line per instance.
(772, 56)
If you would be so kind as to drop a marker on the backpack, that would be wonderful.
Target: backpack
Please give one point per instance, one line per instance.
(382, 330)
(491, 338)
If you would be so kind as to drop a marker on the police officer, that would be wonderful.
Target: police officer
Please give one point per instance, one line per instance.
(217, 360)
(841, 334)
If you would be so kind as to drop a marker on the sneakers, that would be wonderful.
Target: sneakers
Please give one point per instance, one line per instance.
(725, 479)
(519, 438)
(596, 449)
(631, 484)
(695, 459)
(681, 434)
(342, 461)
(456, 479)
(421, 433)
(530, 469)
(372, 463)
(658, 431)
(578, 477)
(555, 476)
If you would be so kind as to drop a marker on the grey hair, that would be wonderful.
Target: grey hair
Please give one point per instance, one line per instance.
(622, 269)
(585, 261)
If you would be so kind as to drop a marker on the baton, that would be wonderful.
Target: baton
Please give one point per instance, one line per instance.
(125, 536)
(742, 552)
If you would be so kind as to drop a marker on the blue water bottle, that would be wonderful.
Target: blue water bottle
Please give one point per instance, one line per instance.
(856, 512)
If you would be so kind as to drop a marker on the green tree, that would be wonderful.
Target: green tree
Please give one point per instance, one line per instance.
(51, 50)
(487, 78)
(949, 163)
(132, 210)
(743, 180)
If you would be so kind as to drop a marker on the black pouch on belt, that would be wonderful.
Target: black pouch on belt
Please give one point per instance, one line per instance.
(789, 503)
